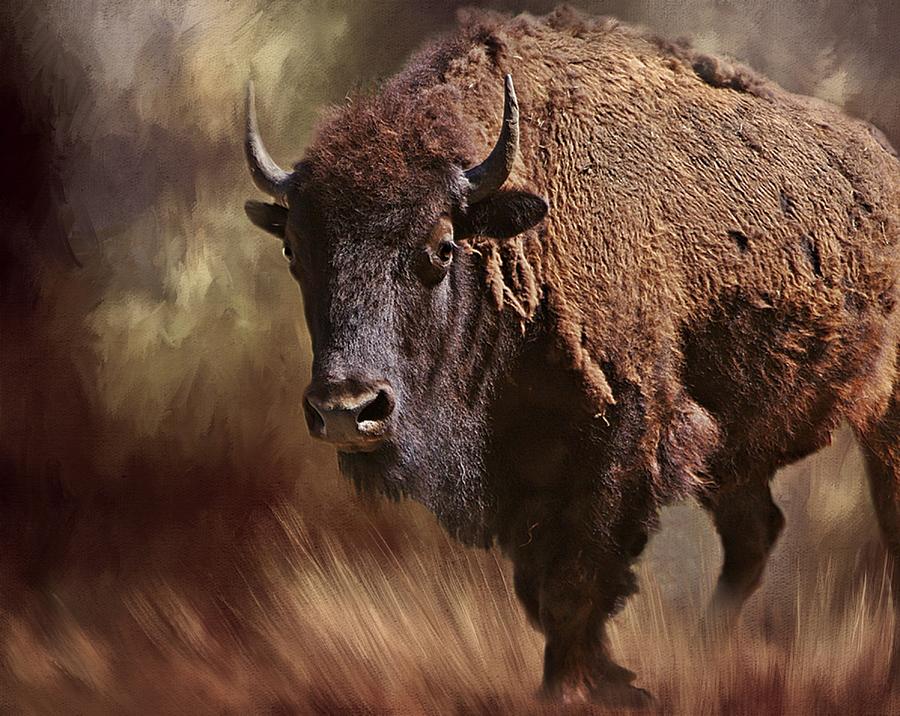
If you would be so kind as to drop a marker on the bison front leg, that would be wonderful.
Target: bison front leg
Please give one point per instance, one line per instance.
(576, 603)
(569, 594)
(748, 522)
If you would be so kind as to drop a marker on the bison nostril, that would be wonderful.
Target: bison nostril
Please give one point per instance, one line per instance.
(314, 420)
(378, 410)
(351, 418)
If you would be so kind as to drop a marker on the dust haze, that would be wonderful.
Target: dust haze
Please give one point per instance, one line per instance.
(170, 539)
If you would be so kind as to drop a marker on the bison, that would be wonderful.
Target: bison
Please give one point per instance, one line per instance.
(669, 277)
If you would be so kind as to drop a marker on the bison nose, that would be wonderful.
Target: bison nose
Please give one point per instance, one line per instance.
(354, 417)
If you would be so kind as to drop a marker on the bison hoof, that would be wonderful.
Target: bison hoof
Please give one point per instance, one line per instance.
(622, 696)
(609, 695)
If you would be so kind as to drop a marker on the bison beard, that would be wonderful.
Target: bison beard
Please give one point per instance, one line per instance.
(714, 290)
(438, 463)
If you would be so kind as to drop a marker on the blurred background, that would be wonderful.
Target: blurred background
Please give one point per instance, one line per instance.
(171, 540)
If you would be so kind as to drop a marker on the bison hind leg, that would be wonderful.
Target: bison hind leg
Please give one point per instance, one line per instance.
(748, 522)
(880, 441)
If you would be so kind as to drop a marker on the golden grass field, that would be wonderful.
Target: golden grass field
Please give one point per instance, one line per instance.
(170, 540)
(396, 619)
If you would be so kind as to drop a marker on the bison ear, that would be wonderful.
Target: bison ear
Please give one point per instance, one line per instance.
(502, 215)
(268, 217)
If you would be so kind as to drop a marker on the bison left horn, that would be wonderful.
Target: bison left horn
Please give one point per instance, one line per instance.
(267, 175)
(489, 176)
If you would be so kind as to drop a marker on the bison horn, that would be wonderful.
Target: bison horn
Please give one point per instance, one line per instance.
(267, 175)
(489, 176)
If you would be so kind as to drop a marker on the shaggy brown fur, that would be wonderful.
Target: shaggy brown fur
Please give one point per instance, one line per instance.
(715, 287)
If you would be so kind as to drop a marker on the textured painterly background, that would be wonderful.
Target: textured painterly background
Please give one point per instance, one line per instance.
(170, 539)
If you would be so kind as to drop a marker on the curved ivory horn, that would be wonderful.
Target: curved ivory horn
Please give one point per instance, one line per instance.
(489, 176)
(267, 175)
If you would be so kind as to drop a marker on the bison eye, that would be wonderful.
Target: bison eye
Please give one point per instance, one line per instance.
(433, 258)
(444, 253)
(286, 250)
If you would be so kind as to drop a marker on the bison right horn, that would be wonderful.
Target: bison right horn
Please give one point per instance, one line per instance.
(489, 176)
(267, 175)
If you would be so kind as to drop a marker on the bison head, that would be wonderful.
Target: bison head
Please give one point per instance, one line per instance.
(376, 224)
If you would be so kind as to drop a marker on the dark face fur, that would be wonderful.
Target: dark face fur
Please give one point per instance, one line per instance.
(406, 345)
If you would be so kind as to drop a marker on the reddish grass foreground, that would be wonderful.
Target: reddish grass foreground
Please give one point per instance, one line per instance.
(297, 620)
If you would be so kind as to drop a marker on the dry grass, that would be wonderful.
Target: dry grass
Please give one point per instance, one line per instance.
(305, 623)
